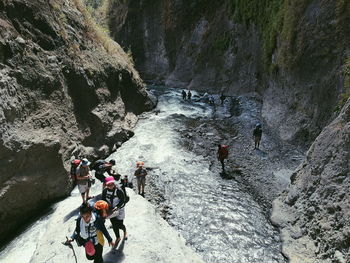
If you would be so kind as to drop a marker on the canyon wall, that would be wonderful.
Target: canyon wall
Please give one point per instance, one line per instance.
(292, 53)
(66, 90)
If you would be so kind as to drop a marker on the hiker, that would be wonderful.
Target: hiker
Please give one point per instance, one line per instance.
(222, 98)
(125, 182)
(257, 133)
(140, 174)
(183, 94)
(101, 167)
(116, 199)
(83, 177)
(222, 154)
(189, 95)
(88, 233)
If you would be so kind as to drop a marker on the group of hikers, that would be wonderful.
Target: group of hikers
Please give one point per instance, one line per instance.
(187, 95)
(210, 98)
(90, 224)
(222, 153)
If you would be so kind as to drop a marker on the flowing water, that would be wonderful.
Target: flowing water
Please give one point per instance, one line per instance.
(215, 217)
(220, 221)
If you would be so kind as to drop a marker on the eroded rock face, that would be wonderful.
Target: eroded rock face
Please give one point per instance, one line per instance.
(205, 45)
(314, 213)
(65, 89)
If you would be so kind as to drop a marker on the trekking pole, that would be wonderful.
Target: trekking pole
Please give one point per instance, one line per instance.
(69, 244)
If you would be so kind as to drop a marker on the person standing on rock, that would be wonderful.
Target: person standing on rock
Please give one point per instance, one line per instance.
(140, 175)
(189, 95)
(222, 154)
(115, 197)
(222, 98)
(83, 176)
(88, 227)
(257, 133)
(183, 94)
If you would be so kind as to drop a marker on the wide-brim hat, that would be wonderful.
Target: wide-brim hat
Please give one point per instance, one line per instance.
(85, 162)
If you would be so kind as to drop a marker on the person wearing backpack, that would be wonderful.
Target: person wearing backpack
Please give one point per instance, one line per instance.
(257, 133)
(116, 199)
(222, 154)
(183, 94)
(89, 225)
(140, 175)
(83, 177)
(101, 167)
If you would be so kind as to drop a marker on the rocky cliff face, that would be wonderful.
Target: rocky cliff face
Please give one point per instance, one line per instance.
(65, 89)
(314, 213)
(291, 52)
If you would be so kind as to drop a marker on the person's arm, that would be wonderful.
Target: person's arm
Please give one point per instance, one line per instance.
(76, 230)
(109, 171)
(101, 226)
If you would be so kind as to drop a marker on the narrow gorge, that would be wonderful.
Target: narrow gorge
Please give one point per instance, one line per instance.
(68, 90)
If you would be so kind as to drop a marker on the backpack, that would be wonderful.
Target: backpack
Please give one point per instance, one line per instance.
(126, 197)
(223, 151)
(97, 165)
(73, 169)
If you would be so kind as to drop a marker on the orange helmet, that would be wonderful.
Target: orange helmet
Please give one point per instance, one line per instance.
(139, 163)
(99, 205)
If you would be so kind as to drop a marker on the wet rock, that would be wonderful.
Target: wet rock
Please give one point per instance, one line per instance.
(339, 257)
(292, 196)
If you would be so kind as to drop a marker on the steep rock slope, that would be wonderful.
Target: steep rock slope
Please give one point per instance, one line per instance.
(65, 89)
(314, 213)
(291, 52)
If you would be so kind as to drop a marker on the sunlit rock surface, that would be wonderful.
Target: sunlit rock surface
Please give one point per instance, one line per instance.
(150, 239)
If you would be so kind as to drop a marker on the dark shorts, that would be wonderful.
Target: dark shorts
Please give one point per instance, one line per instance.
(100, 177)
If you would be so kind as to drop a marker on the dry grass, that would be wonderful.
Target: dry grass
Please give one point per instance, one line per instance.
(99, 35)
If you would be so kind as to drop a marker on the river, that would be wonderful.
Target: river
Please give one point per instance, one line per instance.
(217, 219)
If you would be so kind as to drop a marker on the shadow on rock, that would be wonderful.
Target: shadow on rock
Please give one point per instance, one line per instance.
(74, 213)
(260, 153)
(115, 255)
(232, 173)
